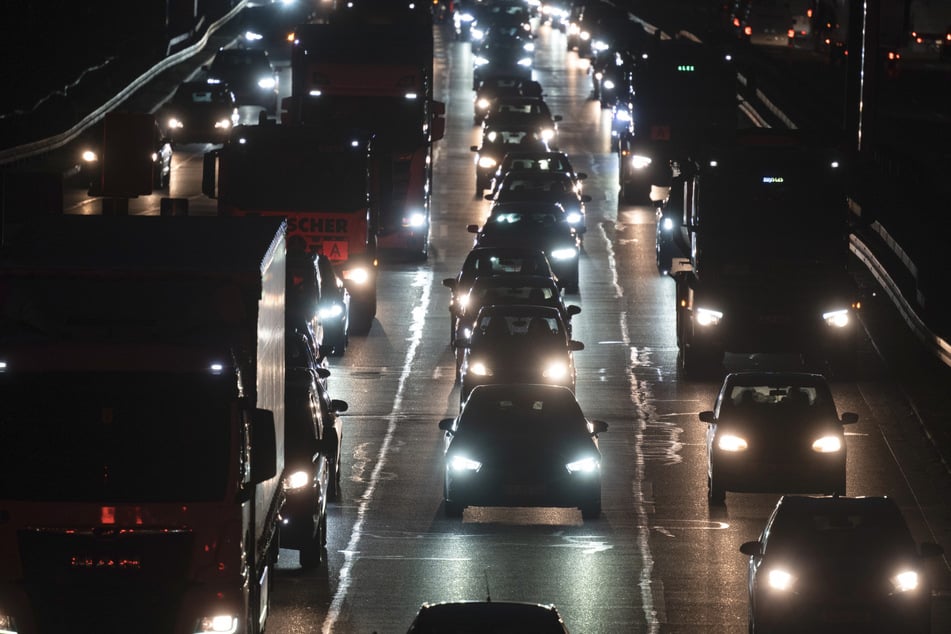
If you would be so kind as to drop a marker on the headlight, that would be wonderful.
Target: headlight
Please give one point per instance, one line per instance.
(525, 62)
(223, 124)
(584, 35)
(267, 83)
(905, 581)
(827, 444)
(781, 580)
(667, 224)
(174, 124)
(477, 34)
(624, 115)
(599, 45)
(221, 623)
(466, 17)
(608, 84)
(480, 61)
(598, 75)
(251, 36)
(548, 134)
(564, 254)
(555, 370)
(329, 312)
(585, 465)
(574, 217)
(89, 156)
(639, 162)
(463, 300)
(461, 463)
(416, 219)
(357, 275)
(483, 103)
(486, 162)
(297, 480)
(731, 442)
(837, 318)
(707, 317)
(529, 47)
(480, 369)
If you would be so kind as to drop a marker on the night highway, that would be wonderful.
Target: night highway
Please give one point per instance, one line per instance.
(660, 558)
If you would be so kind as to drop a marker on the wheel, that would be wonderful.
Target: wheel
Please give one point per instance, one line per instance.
(715, 494)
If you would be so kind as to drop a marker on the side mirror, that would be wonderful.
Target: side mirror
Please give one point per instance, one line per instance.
(263, 446)
(707, 417)
(575, 346)
(489, 196)
(581, 175)
(557, 118)
(597, 427)
(450, 283)
(573, 310)
(322, 373)
(753, 549)
(473, 148)
(446, 424)
(849, 417)
(472, 228)
(338, 406)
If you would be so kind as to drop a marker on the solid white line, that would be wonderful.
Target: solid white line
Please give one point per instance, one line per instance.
(424, 280)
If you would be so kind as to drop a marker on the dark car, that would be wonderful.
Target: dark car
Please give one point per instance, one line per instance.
(497, 141)
(91, 159)
(499, 86)
(838, 564)
(334, 308)
(548, 186)
(502, 57)
(249, 73)
(330, 408)
(538, 225)
(545, 161)
(307, 470)
(517, 344)
(518, 110)
(533, 290)
(200, 112)
(479, 617)
(522, 445)
(775, 432)
(492, 261)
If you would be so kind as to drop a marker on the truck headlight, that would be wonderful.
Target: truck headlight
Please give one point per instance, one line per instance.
(640, 162)
(357, 275)
(731, 443)
(905, 581)
(707, 317)
(222, 623)
(564, 254)
(837, 318)
(416, 219)
(89, 156)
(175, 124)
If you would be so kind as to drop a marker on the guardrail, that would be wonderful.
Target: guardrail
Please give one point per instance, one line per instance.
(42, 146)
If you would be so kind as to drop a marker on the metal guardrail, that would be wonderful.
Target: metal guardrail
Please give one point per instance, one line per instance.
(42, 146)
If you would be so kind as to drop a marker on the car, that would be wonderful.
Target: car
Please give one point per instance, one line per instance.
(668, 240)
(90, 167)
(522, 445)
(330, 410)
(533, 290)
(200, 112)
(502, 57)
(476, 617)
(497, 141)
(539, 225)
(334, 308)
(517, 109)
(775, 432)
(249, 73)
(464, 14)
(302, 301)
(505, 32)
(544, 185)
(516, 344)
(492, 261)
(498, 86)
(303, 520)
(838, 564)
(553, 160)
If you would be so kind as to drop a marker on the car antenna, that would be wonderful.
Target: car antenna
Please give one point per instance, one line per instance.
(488, 595)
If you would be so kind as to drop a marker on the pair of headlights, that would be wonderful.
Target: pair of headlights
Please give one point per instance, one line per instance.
(783, 580)
(462, 464)
(555, 370)
(734, 443)
(708, 317)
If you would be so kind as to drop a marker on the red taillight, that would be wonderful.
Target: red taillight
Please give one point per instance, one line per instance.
(747, 31)
(736, 22)
(791, 33)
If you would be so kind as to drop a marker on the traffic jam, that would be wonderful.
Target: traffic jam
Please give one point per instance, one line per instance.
(230, 402)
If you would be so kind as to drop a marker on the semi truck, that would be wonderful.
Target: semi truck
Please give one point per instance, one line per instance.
(141, 424)
(373, 68)
(766, 226)
(327, 182)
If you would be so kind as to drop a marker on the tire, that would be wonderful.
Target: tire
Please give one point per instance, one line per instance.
(716, 495)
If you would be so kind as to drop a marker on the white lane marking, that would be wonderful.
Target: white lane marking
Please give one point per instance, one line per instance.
(424, 280)
(641, 503)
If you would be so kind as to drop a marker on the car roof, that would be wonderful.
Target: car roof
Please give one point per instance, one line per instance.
(474, 616)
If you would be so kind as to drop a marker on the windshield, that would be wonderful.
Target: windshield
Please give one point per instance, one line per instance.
(517, 330)
(515, 414)
(115, 437)
(292, 172)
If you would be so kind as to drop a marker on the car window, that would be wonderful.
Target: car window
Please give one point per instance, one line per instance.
(838, 532)
(516, 413)
(773, 400)
(495, 264)
(518, 329)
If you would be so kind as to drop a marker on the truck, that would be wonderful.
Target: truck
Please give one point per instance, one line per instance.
(766, 224)
(327, 182)
(141, 424)
(372, 68)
